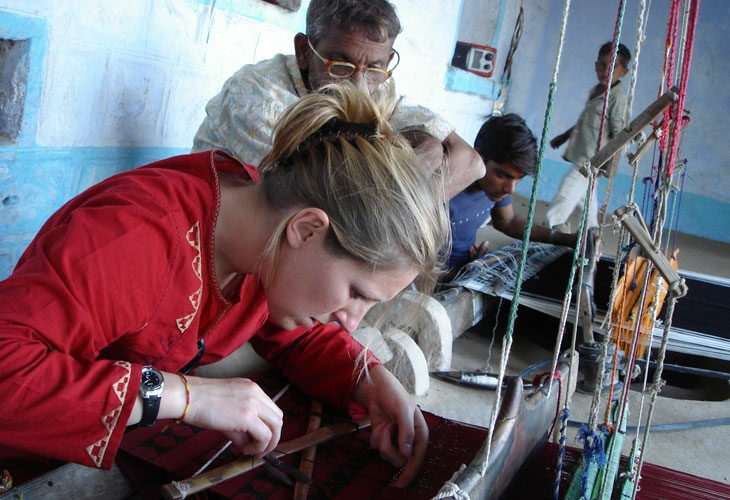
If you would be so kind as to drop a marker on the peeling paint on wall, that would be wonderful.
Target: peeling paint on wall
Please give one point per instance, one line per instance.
(13, 86)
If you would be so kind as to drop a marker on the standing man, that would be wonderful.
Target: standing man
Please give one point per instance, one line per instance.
(345, 39)
(583, 137)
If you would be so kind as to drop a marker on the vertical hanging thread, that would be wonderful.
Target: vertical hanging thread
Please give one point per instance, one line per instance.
(656, 385)
(679, 206)
(640, 38)
(670, 48)
(507, 342)
(590, 192)
(561, 451)
(683, 79)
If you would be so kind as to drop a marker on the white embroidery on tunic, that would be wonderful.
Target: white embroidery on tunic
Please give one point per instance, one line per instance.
(97, 450)
(193, 238)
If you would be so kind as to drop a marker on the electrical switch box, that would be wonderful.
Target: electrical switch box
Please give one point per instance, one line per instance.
(479, 59)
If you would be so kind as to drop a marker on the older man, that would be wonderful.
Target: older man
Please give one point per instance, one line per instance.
(346, 39)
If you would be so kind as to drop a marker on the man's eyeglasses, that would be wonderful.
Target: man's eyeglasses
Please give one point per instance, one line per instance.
(344, 69)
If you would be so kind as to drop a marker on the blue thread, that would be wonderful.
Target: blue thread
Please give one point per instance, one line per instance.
(593, 450)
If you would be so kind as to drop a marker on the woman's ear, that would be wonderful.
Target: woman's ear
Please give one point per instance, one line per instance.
(305, 226)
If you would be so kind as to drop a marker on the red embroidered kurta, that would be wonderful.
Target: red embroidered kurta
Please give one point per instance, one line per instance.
(122, 276)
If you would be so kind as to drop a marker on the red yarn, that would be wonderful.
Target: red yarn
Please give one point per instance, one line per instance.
(678, 108)
(537, 381)
(670, 52)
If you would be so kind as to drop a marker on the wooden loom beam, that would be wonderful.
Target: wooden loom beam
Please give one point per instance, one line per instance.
(638, 230)
(633, 129)
(643, 148)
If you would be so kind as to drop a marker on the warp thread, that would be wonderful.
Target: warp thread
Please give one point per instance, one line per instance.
(561, 450)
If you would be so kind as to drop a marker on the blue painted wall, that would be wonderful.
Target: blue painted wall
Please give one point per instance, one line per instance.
(705, 202)
(36, 181)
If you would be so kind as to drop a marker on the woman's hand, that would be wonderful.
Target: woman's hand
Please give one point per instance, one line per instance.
(399, 430)
(238, 408)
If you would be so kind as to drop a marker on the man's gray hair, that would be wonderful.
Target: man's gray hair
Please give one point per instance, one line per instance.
(376, 17)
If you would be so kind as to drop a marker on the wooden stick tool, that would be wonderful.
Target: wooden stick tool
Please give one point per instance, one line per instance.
(301, 489)
(178, 490)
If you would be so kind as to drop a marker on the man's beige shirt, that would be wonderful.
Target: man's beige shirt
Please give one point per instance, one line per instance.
(241, 118)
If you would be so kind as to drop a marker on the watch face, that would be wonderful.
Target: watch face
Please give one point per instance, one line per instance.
(151, 379)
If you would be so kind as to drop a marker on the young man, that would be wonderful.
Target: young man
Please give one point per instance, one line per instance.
(509, 151)
(345, 39)
(583, 137)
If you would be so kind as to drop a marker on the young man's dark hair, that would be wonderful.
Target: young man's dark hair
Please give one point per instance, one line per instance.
(508, 139)
(624, 55)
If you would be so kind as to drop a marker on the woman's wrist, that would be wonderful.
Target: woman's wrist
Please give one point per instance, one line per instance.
(174, 396)
(173, 401)
(363, 393)
(187, 398)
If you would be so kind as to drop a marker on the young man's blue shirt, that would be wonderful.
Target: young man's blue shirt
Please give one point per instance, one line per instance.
(468, 210)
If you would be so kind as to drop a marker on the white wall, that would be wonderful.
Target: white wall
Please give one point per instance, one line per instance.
(139, 72)
(426, 46)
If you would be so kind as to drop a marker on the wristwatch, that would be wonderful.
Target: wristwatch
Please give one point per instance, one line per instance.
(150, 389)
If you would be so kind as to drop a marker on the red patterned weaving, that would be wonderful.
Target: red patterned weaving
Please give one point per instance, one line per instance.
(344, 468)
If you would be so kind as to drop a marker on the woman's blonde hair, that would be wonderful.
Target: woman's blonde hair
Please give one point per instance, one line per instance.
(334, 150)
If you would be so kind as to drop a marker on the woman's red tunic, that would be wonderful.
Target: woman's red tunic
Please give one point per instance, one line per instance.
(122, 276)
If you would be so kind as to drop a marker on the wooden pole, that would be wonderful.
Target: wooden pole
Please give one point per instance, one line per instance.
(178, 490)
(633, 129)
(627, 215)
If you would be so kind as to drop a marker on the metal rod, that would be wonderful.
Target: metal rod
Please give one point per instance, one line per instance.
(229, 442)
(688, 369)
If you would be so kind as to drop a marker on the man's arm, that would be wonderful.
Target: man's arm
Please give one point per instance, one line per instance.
(463, 163)
(561, 139)
(506, 221)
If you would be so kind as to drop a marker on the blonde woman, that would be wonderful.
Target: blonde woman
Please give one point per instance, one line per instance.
(178, 263)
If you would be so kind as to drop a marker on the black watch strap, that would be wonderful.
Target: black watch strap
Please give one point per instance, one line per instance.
(150, 409)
